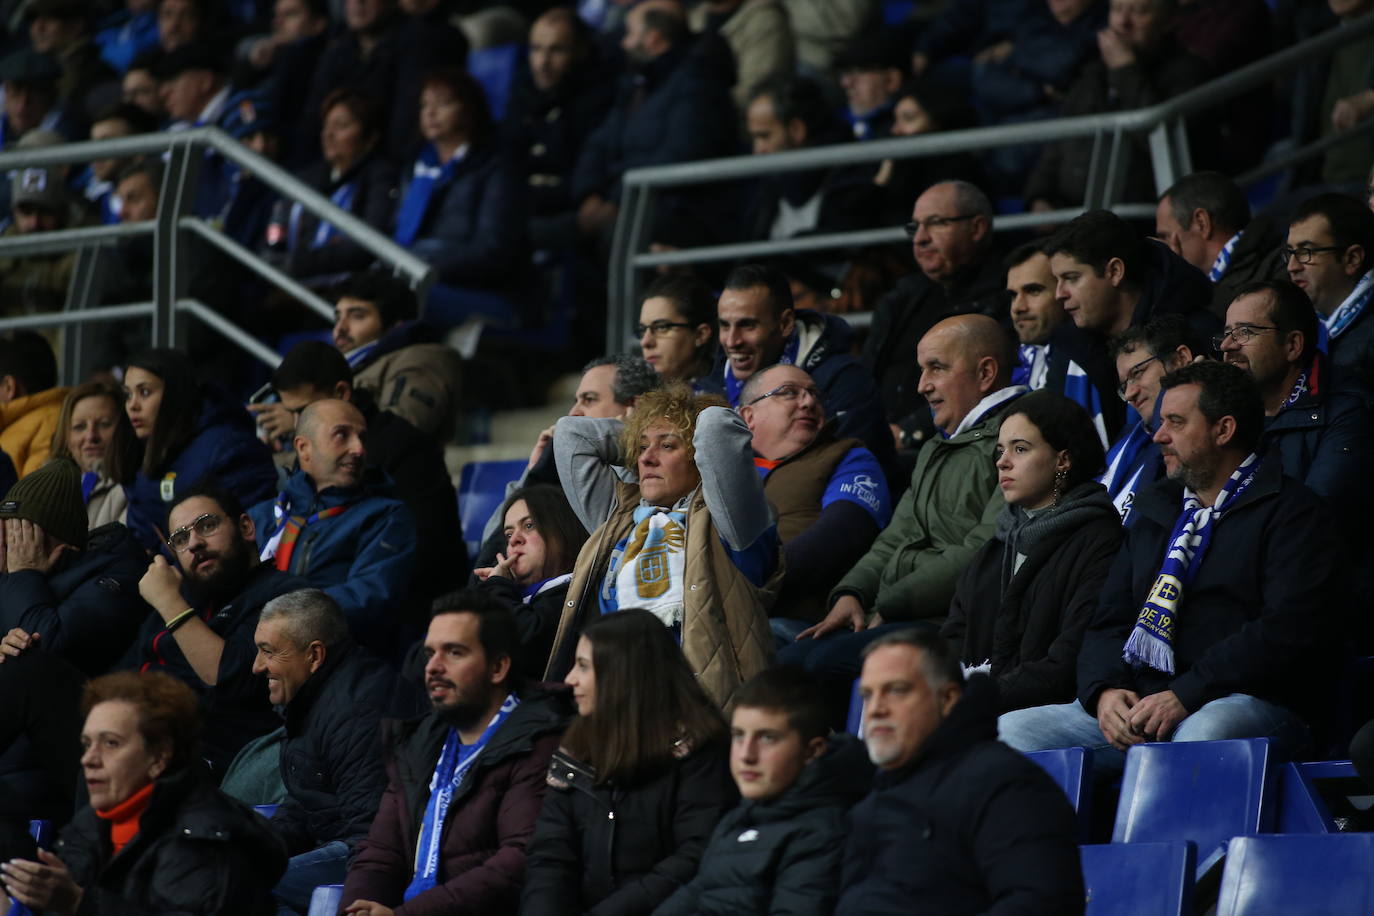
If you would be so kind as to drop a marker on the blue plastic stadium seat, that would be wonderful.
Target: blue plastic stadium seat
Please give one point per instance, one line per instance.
(42, 833)
(1301, 806)
(1127, 879)
(1203, 791)
(1318, 875)
(494, 68)
(481, 490)
(855, 720)
(1071, 769)
(325, 899)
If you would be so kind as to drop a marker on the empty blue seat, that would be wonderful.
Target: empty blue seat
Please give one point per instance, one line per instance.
(325, 899)
(1203, 791)
(855, 720)
(1071, 769)
(1124, 880)
(481, 490)
(1301, 807)
(494, 68)
(1317, 875)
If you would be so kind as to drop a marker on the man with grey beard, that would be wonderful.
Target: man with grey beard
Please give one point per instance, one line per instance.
(955, 820)
(335, 525)
(466, 781)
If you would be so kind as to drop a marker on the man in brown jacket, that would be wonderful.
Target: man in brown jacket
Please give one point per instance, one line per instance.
(485, 748)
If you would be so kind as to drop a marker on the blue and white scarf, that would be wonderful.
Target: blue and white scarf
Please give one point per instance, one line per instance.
(735, 386)
(342, 198)
(1122, 476)
(1080, 389)
(985, 408)
(358, 355)
(455, 760)
(428, 175)
(1223, 260)
(1151, 643)
(1339, 321)
(1032, 366)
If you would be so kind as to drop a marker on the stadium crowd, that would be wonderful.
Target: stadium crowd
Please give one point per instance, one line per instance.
(1090, 487)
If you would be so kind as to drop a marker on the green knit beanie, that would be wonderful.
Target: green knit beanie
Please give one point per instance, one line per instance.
(50, 497)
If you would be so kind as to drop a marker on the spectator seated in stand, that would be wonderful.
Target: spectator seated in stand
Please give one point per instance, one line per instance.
(127, 33)
(759, 327)
(194, 88)
(689, 536)
(282, 63)
(1022, 603)
(542, 538)
(609, 387)
(183, 846)
(796, 786)
(1195, 640)
(335, 525)
(465, 781)
(97, 183)
(995, 831)
(1330, 254)
(207, 608)
(189, 434)
(1035, 315)
(950, 511)
(355, 176)
(557, 100)
(62, 30)
(332, 696)
(951, 241)
(1144, 354)
(364, 55)
(829, 492)
(1142, 64)
(462, 208)
(871, 69)
(1204, 218)
(639, 782)
(398, 360)
(64, 590)
(677, 331)
(758, 34)
(38, 202)
(30, 399)
(140, 85)
(315, 371)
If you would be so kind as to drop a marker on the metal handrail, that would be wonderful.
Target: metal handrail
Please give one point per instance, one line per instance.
(1164, 122)
(174, 224)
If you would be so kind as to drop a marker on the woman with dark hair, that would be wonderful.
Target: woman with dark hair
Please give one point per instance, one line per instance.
(462, 207)
(922, 107)
(182, 845)
(677, 331)
(188, 435)
(543, 537)
(354, 175)
(94, 431)
(1025, 598)
(641, 779)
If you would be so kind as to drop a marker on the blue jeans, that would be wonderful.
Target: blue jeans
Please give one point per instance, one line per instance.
(1236, 716)
(326, 865)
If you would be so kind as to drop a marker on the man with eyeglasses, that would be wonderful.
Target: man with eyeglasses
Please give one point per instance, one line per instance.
(336, 524)
(960, 274)
(759, 326)
(1330, 256)
(206, 610)
(829, 492)
(1143, 356)
(1317, 423)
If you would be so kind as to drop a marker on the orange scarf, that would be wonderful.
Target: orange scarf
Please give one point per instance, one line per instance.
(124, 816)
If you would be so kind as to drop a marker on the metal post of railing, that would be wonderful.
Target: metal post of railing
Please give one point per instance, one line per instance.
(1118, 164)
(171, 274)
(88, 276)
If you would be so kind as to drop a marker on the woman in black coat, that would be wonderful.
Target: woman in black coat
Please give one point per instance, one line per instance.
(639, 783)
(543, 538)
(1024, 600)
(157, 837)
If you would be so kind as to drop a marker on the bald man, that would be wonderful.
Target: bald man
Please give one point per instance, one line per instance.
(336, 525)
(908, 574)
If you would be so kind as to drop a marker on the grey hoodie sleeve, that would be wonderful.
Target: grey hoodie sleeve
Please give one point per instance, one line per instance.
(586, 450)
(729, 480)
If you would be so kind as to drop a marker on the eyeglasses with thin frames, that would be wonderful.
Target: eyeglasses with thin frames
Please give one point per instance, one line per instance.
(660, 328)
(1133, 375)
(204, 525)
(1241, 333)
(789, 392)
(933, 223)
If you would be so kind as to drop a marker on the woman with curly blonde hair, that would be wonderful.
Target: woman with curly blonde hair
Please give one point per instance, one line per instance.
(680, 527)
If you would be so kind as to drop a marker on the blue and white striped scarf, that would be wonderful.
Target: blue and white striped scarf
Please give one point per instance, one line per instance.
(1339, 321)
(1223, 260)
(455, 760)
(427, 175)
(1151, 643)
